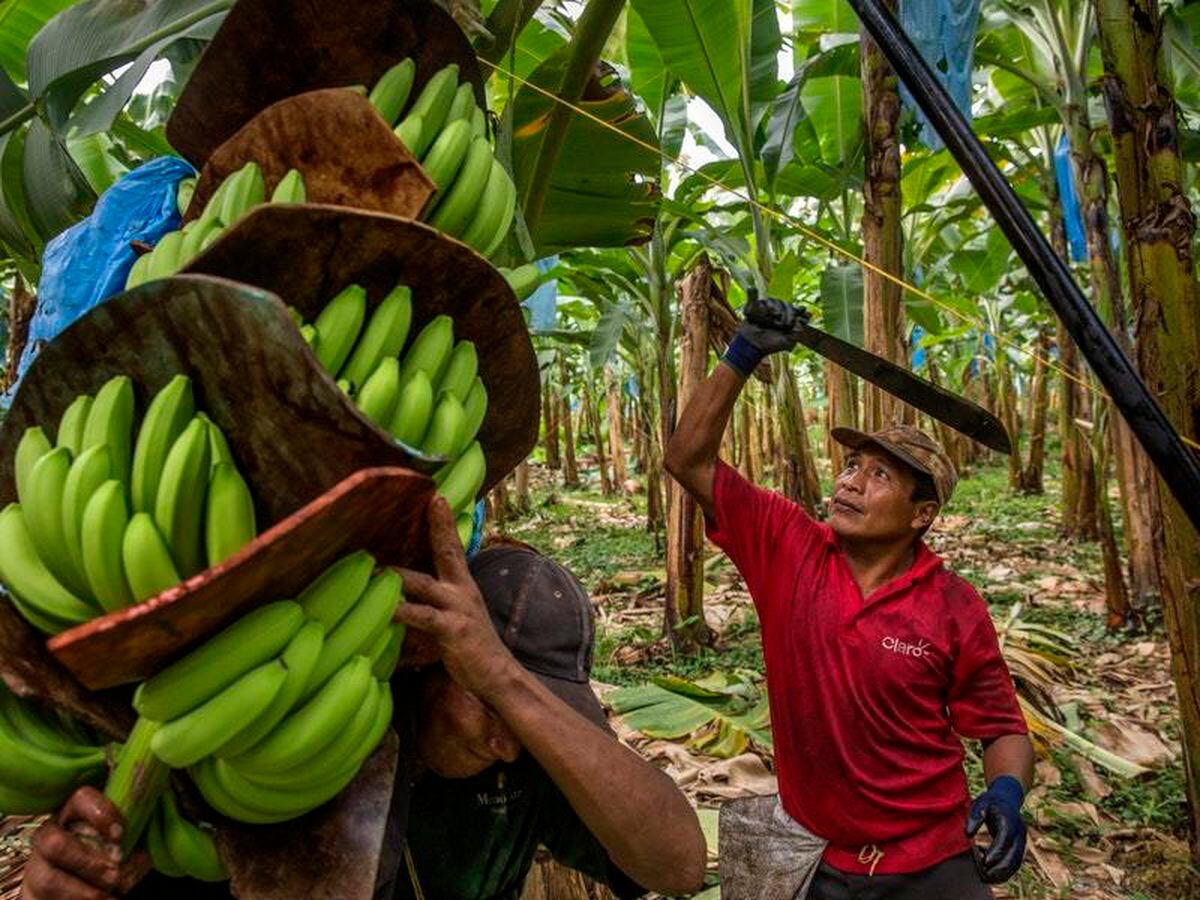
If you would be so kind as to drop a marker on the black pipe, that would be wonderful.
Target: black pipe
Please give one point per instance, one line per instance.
(1175, 462)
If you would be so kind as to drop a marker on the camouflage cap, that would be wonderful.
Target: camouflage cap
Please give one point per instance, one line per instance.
(910, 446)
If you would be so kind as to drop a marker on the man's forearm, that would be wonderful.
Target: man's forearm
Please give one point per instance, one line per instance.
(1012, 755)
(692, 452)
(634, 810)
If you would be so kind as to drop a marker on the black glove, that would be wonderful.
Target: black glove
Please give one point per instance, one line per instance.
(1000, 808)
(769, 326)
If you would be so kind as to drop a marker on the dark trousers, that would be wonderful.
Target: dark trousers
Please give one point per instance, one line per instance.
(953, 879)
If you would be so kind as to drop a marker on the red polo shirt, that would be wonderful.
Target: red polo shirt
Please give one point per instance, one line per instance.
(868, 696)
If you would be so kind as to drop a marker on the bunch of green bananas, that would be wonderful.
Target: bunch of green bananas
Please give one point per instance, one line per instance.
(274, 715)
(447, 131)
(429, 397)
(233, 198)
(43, 757)
(178, 848)
(104, 520)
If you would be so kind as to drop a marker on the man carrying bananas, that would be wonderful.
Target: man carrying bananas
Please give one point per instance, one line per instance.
(877, 658)
(511, 752)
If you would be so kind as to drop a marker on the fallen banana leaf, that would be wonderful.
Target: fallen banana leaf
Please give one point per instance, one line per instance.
(306, 253)
(268, 50)
(720, 725)
(348, 156)
(1052, 732)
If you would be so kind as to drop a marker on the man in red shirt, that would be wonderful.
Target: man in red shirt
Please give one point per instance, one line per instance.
(878, 658)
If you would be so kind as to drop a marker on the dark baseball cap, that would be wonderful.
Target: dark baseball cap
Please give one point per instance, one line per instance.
(544, 616)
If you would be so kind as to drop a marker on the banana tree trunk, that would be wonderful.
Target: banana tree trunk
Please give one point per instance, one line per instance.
(570, 467)
(745, 459)
(685, 623)
(841, 409)
(799, 472)
(616, 443)
(521, 484)
(883, 310)
(550, 424)
(593, 420)
(764, 434)
(1006, 401)
(20, 311)
(499, 504)
(1159, 228)
(1039, 396)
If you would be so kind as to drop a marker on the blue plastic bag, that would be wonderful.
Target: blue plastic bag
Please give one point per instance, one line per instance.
(90, 261)
(477, 529)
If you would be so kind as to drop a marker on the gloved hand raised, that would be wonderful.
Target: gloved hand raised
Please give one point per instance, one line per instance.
(770, 326)
(999, 807)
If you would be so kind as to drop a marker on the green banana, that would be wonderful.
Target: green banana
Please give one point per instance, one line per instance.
(384, 661)
(310, 728)
(246, 644)
(110, 421)
(195, 234)
(179, 504)
(290, 188)
(229, 514)
(149, 568)
(164, 258)
(457, 208)
(269, 806)
(446, 426)
(218, 444)
(430, 350)
(461, 480)
(309, 333)
(377, 398)
(72, 423)
(464, 523)
(102, 535)
(41, 597)
(433, 103)
(32, 768)
(493, 244)
(324, 767)
(299, 657)
(345, 387)
(384, 335)
(462, 106)
(183, 194)
(413, 410)
(490, 216)
(42, 728)
(139, 272)
(156, 846)
(474, 409)
(523, 280)
(479, 123)
(392, 89)
(359, 629)
(43, 505)
(186, 740)
(89, 470)
(15, 801)
(332, 594)
(33, 446)
(460, 371)
(247, 191)
(210, 238)
(167, 416)
(212, 209)
(409, 132)
(338, 326)
(192, 849)
(444, 158)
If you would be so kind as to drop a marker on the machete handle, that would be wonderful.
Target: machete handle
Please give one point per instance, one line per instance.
(772, 313)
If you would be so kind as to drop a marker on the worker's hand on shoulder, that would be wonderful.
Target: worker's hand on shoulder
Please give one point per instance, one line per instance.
(770, 326)
(65, 865)
(451, 609)
(999, 807)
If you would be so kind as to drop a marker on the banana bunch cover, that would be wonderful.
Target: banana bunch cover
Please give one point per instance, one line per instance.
(274, 715)
(113, 512)
(447, 131)
(43, 757)
(234, 197)
(429, 396)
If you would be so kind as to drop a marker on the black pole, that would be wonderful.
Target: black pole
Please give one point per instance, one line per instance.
(1176, 463)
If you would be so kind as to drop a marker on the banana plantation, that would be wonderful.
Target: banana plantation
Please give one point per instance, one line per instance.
(393, 392)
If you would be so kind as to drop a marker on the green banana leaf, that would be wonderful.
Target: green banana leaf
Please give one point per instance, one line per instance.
(648, 75)
(20, 20)
(603, 190)
(842, 302)
(720, 720)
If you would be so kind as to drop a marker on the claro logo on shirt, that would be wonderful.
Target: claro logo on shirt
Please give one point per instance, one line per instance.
(904, 648)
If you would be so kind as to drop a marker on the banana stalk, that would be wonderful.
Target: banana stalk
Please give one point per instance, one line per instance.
(136, 782)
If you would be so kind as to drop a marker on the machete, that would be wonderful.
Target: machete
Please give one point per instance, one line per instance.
(960, 414)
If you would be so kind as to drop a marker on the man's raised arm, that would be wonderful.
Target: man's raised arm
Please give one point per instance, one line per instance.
(691, 453)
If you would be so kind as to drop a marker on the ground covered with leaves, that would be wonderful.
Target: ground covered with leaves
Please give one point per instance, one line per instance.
(1094, 833)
